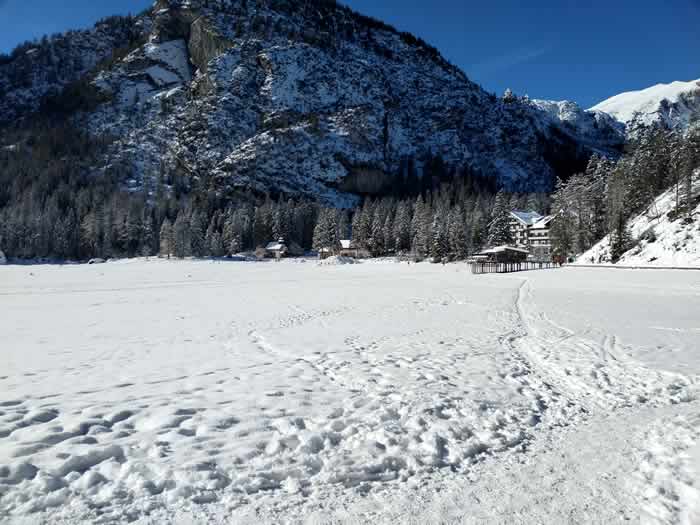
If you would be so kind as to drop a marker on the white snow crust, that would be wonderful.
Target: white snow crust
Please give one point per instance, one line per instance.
(155, 391)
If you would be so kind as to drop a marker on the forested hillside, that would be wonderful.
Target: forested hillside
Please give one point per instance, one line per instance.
(601, 201)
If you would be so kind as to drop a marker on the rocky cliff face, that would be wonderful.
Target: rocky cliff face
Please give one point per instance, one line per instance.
(36, 71)
(305, 98)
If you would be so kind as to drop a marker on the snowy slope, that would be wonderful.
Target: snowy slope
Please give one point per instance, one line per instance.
(672, 243)
(676, 105)
(144, 391)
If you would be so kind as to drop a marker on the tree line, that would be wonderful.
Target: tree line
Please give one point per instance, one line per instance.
(603, 199)
(52, 207)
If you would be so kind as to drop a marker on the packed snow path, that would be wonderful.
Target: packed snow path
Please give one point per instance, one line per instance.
(209, 392)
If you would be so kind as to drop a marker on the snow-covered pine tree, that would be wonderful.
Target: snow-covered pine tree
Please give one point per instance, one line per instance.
(262, 226)
(181, 229)
(212, 238)
(166, 238)
(197, 234)
(280, 221)
(439, 247)
(388, 234)
(499, 228)
(376, 239)
(343, 225)
(402, 228)
(89, 233)
(689, 162)
(148, 238)
(362, 224)
(618, 210)
(108, 231)
(326, 230)
(135, 226)
(561, 232)
(227, 231)
(532, 203)
(459, 246)
(421, 228)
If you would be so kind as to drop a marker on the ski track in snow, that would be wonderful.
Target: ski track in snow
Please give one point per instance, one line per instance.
(323, 387)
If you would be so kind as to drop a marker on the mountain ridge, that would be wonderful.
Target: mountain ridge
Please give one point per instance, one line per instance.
(307, 99)
(675, 105)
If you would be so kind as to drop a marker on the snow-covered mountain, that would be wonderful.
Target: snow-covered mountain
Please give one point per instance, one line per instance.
(597, 129)
(304, 98)
(675, 106)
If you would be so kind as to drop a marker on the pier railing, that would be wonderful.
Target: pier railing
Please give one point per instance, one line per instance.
(495, 267)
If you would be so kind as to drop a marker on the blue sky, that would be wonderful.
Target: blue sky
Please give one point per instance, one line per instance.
(584, 51)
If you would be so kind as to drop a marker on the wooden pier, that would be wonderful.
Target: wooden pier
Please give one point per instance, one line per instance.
(504, 267)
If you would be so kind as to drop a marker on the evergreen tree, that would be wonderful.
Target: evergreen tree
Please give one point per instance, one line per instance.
(326, 230)
(181, 229)
(198, 234)
(376, 240)
(499, 228)
(148, 241)
(420, 228)
(362, 225)
(343, 225)
(167, 238)
(402, 228)
(439, 248)
(459, 245)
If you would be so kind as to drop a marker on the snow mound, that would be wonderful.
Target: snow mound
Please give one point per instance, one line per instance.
(662, 239)
(645, 104)
(337, 260)
(3, 259)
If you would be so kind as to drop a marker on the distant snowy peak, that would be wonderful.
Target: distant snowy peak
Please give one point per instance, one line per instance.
(594, 128)
(675, 105)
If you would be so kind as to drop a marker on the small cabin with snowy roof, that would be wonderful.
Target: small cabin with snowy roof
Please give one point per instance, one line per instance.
(282, 248)
(276, 250)
(348, 248)
(502, 254)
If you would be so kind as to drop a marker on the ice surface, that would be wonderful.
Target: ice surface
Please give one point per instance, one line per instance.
(194, 391)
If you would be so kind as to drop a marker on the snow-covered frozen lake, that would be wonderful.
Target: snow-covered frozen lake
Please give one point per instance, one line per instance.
(227, 392)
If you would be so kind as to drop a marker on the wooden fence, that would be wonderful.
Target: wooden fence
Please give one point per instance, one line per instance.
(494, 267)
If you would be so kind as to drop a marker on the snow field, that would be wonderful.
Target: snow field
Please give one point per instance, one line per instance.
(667, 481)
(156, 391)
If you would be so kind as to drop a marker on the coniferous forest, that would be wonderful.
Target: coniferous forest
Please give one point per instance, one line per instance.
(50, 208)
(609, 193)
